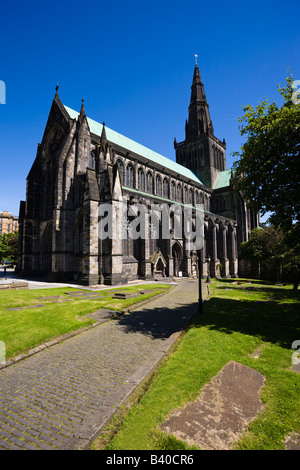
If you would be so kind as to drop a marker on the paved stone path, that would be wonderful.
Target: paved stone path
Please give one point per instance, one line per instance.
(61, 397)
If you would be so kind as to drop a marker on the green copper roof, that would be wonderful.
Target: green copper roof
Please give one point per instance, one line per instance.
(132, 146)
(223, 179)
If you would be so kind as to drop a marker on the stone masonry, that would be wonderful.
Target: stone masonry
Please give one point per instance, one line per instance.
(60, 397)
(81, 165)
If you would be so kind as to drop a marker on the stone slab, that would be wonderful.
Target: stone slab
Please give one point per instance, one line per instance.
(102, 315)
(49, 297)
(36, 306)
(296, 368)
(293, 442)
(216, 419)
(13, 285)
(91, 297)
(125, 295)
(27, 306)
(78, 293)
(15, 308)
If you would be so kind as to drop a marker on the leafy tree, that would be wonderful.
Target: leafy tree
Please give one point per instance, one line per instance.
(268, 168)
(264, 248)
(3, 249)
(291, 254)
(9, 244)
(275, 252)
(13, 247)
(268, 175)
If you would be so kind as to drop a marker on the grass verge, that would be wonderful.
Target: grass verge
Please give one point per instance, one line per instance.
(239, 318)
(25, 329)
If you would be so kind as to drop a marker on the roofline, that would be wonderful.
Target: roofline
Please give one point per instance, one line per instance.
(194, 180)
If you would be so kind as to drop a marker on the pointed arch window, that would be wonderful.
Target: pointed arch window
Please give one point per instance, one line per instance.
(179, 193)
(166, 188)
(215, 157)
(222, 168)
(129, 176)
(121, 170)
(141, 179)
(158, 185)
(92, 159)
(149, 182)
(173, 191)
(185, 195)
(200, 157)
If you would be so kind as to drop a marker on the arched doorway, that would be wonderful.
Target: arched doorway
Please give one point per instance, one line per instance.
(177, 258)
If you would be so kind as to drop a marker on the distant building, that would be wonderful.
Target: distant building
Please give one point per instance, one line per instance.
(9, 223)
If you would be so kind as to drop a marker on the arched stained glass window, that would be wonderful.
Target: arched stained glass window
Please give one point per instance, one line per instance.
(165, 188)
(173, 191)
(158, 185)
(179, 193)
(121, 170)
(191, 197)
(129, 176)
(92, 160)
(141, 179)
(149, 182)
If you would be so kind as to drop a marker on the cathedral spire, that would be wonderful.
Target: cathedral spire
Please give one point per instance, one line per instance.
(82, 112)
(103, 139)
(197, 86)
(201, 151)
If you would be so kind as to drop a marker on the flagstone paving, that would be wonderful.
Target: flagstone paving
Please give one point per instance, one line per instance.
(216, 419)
(61, 397)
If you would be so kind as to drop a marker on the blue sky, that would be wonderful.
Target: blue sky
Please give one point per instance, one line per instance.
(133, 62)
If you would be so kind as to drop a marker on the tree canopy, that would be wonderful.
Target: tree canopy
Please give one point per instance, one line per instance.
(9, 244)
(275, 253)
(268, 166)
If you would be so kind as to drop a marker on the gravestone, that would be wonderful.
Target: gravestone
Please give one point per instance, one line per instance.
(216, 419)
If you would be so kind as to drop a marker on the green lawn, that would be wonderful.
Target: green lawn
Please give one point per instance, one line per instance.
(238, 319)
(24, 329)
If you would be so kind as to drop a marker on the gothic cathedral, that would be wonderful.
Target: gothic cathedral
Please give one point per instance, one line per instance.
(82, 164)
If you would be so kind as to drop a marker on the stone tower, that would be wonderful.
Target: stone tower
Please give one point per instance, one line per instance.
(201, 151)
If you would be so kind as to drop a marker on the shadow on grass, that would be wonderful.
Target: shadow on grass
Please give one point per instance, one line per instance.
(273, 322)
(275, 293)
(270, 321)
(246, 281)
